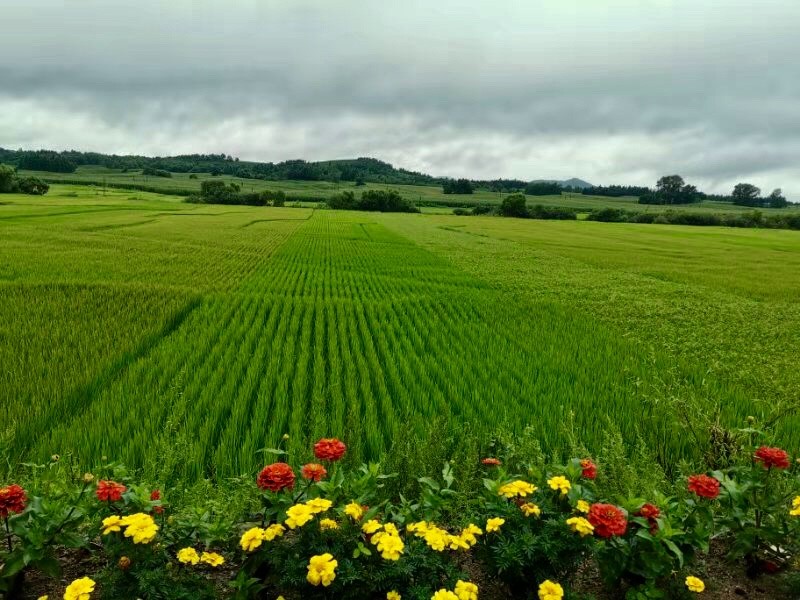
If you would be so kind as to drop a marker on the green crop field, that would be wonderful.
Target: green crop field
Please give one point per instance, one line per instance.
(315, 191)
(184, 338)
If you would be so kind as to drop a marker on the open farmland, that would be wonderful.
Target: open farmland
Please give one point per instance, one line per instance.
(132, 323)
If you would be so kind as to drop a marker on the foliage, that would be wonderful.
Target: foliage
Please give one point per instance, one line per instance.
(457, 186)
(11, 182)
(513, 205)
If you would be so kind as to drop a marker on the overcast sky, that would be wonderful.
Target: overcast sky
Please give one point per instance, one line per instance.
(612, 91)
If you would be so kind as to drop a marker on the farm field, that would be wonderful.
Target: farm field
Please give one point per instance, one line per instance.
(183, 339)
(431, 196)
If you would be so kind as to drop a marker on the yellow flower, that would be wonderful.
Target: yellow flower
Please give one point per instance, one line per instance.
(389, 545)
(456, 542)
(695, 584)
(354, 511)
(436, 538)
(188, 556)
(212, 558)
(444, 594)
(549, 590)
(494, 524)
(325, 524)
(391, 529)
(393, 595)
(42, 598)
(140, 527)
(580, 525)
(469, 533)
(298, 515)
(418, 528)
(582, 506)
(466, 590)
(517, 488)
(252, 539)
(371, 526)
(273, 531)
(80, 589)
(795, 512)
(318, 505)
(111, 524)
(322, 569)
(529, 508)
(559, 483)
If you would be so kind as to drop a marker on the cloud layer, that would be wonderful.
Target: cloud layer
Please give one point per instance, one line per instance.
(619, 91)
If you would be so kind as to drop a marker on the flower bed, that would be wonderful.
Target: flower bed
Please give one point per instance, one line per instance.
(324, 531)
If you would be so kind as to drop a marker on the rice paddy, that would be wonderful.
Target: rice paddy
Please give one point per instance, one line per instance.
(190, 337)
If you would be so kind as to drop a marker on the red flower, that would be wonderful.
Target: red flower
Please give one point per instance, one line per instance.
(155, 496)
(110, 491)
(704, 486)
(648, 511)
(329, 449)
(608, 520)
(589, 469)
(276, 477)
(491, 462)
(12, 500)
(313, 472)
(772, 457)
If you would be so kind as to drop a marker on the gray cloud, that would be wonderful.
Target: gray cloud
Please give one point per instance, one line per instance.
(615, 91)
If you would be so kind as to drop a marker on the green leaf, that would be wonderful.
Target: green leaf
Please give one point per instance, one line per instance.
(676, 551)
(270, 451)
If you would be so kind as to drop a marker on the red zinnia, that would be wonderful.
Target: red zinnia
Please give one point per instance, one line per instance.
(589, 469)
(12, 500)
(651, 513)
(491, 462)
(276, 477)
(704, 486)
(329, 449)
(110, 491)
(608, 520)
(155, 496)
(772, 457)
(313, 471)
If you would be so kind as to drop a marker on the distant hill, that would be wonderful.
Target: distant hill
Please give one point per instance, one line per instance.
(364, 169)
(573, 183)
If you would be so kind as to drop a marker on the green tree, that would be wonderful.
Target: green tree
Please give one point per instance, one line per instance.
(746, 194)
(8, 179)
(777, 200)
(513, 205)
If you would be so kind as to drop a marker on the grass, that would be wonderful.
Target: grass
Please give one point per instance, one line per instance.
(184, 338)
(420, 194)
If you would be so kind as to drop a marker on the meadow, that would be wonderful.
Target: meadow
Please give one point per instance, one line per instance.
(183, 339)
(430, 198)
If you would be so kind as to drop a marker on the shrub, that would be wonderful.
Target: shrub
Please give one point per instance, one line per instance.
(33, 186)
(513, 205)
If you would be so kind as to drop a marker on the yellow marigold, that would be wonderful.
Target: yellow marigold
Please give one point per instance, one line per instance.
(42, 598)
(444, 594)
(212, 558)
(795, 512)
(529, 508)
(389, 545)
(391, 529)
(456, 542)
(494, 524)
(393, 595)
(418, 528)
(273, 531)
(111, 524)
(141, 527)
(582, 506)
(188, 556)
(469, 533)
(436, 538)
(550, 590)
(371, 526)
(517, 488)
(252, 539)
(354, 510)
(466, 590)
(326, 524)
(695, 584)
(559, 483)
(80, 589)
(322, 569)
(298, 515)
(319, 505)
(580, 525)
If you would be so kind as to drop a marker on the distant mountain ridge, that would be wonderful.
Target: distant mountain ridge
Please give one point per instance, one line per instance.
(356, 169)
(574, 182)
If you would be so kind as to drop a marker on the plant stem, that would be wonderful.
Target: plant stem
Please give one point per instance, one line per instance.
(8, 535)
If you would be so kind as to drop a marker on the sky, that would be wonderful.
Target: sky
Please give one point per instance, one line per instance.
(611, 91)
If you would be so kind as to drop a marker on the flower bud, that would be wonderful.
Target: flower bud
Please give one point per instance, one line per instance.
(124, 563)
(88, 478)
(285, 436)
(55, 458)
(751, 420)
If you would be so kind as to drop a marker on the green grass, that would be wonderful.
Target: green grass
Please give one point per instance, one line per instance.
(420, 194)
(184, 338)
